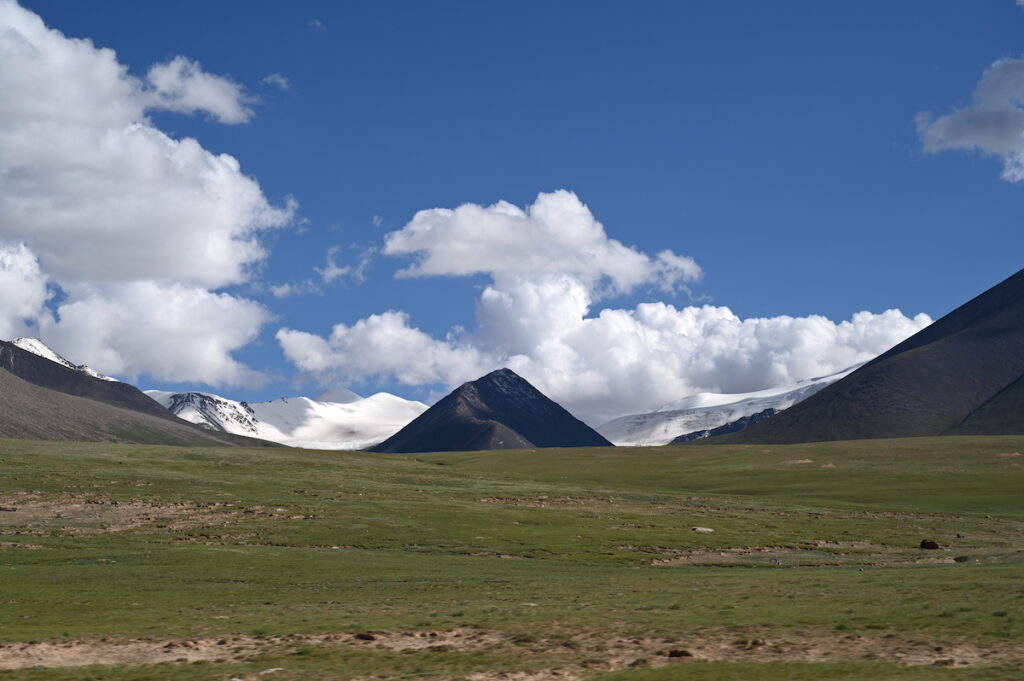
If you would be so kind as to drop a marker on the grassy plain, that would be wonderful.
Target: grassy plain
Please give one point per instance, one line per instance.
(122, 562)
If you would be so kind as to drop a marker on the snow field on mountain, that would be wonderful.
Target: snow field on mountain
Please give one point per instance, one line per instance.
(704, 411)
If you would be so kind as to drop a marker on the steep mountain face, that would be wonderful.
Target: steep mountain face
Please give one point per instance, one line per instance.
(499, 411)
(704, 412)
(962, 374)
(61, 375)
(46, 399)
(338, 419)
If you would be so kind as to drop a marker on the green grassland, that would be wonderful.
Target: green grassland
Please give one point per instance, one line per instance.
(195, 563)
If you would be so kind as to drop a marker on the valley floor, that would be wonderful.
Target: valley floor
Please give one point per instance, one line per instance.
(121, 562)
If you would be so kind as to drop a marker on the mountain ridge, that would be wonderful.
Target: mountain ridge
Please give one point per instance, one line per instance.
(961, 374)
(500, 410)
(705, 412)
(344, 421)
(44, 399)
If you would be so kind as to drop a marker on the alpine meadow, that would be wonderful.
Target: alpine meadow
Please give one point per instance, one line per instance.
(459, 341)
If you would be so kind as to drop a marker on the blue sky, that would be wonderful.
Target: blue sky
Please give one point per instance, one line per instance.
(775, 144)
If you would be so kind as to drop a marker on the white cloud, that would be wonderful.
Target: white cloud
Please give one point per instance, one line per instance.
(993, 124)
(383, 344)
(181, 85)
(285, 290)
(107, 203)
(316, 25)
(85, 172)
(278, 81)
(333, 271)
(556, 235)
(548, 267)
(23, 290)
(328, 274)
(619, 361)
(171, 332)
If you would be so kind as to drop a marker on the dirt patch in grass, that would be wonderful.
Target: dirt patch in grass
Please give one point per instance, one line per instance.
(79, 652)
(543, 501)
(778, 646)
(19, 545)
(32, 513)
(819, 552)
(575, 657)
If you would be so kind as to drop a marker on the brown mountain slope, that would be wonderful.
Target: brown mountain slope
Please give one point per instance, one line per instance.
(1002, 415)
(938, 381)
(30, 412)
(43, 400)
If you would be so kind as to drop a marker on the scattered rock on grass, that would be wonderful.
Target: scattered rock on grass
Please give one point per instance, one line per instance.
(702, 530)
(676, 652)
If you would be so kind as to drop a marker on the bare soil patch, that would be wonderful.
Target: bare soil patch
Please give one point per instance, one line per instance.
(33, 513)
(587, 653)
(784, 646)
(543, 501)
(84, 652)
(823, 552)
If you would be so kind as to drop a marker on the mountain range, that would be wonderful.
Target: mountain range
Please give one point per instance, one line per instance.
(45, 397)
(704, 412)
(498, 411)
(963, 374)
(337, 419)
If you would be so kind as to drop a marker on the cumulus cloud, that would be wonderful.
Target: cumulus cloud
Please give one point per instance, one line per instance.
(107, 203)
(549, 264)
(617, 362)
(23, 290)
(556, 235)
(383, 344)
(181, 85)
(993, 124)
(168, 331)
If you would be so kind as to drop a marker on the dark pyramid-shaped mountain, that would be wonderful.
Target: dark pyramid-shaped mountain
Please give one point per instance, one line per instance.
(43, 400)
(499, 411)
(964, 374)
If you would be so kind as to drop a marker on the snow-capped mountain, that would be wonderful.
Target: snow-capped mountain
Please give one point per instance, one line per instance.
(336, 419)
(706, 411)
(38, 347)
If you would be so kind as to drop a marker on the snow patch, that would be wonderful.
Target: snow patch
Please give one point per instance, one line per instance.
(357, 423)
(705, 411)
(38, 347)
